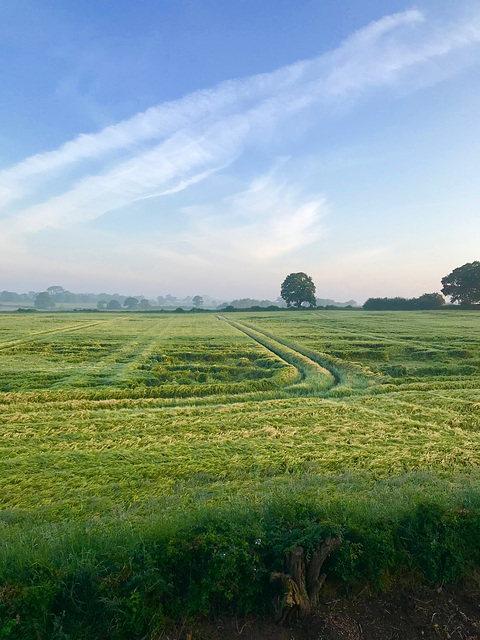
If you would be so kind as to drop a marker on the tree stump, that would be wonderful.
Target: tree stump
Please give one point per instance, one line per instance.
(302, 581)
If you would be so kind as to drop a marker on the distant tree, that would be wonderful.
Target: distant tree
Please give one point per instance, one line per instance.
(130, 303)
(429, 301)
(328, 302)
(10, 296)
(144, 305)
(55, 289)
(101, 304)
(44, 301)
(388, 304)
(197, 301)
(114, 305)
(297, 289)
(463, 283)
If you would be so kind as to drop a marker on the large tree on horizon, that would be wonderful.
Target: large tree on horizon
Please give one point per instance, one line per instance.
(463, 283)
(298, 288)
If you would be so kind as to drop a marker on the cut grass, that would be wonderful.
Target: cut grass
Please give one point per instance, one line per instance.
(126, 408)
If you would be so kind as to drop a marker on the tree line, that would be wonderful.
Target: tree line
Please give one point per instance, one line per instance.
(462, 285)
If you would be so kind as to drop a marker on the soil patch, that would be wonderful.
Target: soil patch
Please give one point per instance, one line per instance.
(448, 613)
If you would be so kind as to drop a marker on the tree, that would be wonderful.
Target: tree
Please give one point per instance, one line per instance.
(429, 301)
(114, 305)
(130, 303)
(297, 289)
(55, 289)
(44, 301)
(9, 296)
(101, 304)
(463, 284)
(144, 304)
(197, 301)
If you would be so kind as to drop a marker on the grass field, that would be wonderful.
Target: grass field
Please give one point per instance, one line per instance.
(115, 427)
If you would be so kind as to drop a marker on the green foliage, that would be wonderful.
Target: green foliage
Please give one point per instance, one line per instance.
(131, 303)
(297, 289)
(442, 545)
(144, 305)
(44, 300)
(463, 283)
(217, 561)
(427, 301)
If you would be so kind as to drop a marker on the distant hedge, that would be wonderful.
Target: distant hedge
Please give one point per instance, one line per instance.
(425, 302)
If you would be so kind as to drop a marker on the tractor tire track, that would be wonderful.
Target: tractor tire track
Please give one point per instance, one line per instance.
(49, 332)
(348, 374)
(313, 374)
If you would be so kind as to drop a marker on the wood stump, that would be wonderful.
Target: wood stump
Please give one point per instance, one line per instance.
(302, 582)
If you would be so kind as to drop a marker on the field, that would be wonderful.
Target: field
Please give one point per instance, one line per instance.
(118, 430)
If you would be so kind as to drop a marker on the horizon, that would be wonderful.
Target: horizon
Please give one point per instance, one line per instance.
(182, 149)
(206, 298)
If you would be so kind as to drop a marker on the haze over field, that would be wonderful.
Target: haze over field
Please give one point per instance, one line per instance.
(176, 147)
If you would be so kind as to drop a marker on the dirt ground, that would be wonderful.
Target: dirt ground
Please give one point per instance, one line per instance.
(448, 613)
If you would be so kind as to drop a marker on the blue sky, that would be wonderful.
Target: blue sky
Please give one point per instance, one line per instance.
(214, 147)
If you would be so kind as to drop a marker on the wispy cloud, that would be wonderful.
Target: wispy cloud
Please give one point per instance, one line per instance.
(269, 219)
(165, 119)
(173, 145)
(254, 228)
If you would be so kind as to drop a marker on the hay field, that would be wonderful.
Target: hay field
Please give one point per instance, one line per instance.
(132, 413)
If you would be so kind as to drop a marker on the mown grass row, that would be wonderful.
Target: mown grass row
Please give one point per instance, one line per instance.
(286, 375)
(126, 357)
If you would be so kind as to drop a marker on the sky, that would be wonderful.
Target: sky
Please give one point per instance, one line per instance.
(209, 147)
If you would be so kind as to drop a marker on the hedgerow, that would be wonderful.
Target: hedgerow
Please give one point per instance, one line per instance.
(128, 584)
